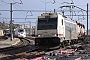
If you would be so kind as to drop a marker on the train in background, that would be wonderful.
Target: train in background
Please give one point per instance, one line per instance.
(20, 33)
(53, 28)
(24, 32)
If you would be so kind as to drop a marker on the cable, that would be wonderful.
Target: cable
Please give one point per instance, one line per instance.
(83, 14)
(27, 12)
(68, 2)
(3, 5)
(20, 11)
(42, 1)
(27, 6)
(48, 1)
(4, 2)
(18, 2)
(28, 15)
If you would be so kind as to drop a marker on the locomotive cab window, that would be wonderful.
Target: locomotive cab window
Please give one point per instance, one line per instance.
(21, 30)
(47, 23)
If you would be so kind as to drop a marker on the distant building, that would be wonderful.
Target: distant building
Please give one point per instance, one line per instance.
(1, 33)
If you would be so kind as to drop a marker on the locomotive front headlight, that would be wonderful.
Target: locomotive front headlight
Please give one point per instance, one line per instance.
(55, 35)
(39, 35)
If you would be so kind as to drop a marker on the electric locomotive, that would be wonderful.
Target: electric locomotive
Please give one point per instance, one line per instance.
(54, 28)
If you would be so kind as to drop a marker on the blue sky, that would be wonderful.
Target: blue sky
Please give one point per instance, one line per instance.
(37, 5)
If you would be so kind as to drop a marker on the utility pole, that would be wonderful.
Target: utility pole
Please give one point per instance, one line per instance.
(45, 6)
(30, 27)
(11, 25)
(71, 11)
(54, 10)
(87, 21)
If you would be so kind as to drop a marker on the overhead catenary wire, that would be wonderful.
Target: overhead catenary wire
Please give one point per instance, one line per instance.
(4, 2)
(48, 2)
(36, 18)
(41, 10)
(20, 2)
(14, 2)
(63, 2)
(19, 11)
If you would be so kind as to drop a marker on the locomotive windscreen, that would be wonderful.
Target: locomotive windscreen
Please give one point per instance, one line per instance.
(21, 30)
(47, 23)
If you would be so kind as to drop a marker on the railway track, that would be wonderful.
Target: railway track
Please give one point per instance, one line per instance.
(26, 50)
(23, 46)
(31, 52)
(28, 54)
(22, 43)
